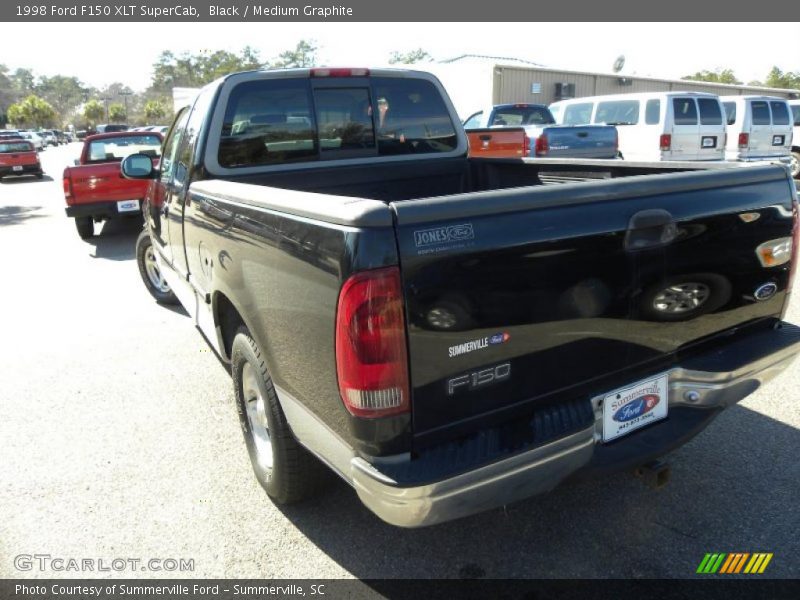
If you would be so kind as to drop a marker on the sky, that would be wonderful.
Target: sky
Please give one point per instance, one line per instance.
(102, 54)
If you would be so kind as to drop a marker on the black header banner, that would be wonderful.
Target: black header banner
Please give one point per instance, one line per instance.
(401, 10)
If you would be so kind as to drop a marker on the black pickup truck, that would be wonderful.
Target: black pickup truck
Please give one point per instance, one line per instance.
(449, 334)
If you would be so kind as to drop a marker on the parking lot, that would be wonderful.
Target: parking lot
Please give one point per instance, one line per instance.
(119, 438)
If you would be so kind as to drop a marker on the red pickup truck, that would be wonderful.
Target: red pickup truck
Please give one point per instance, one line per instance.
(19, 157)
(95, 189)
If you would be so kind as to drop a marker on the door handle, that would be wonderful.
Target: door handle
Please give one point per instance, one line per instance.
(651, 228)
(484, 138)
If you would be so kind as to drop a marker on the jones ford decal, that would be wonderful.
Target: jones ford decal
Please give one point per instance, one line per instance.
(479, 344)
(447, 237)
(628, 409)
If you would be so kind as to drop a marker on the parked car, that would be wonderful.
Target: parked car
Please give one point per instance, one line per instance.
(759, 128)
(81, 134)
(49, 137)
(19, 157)
(111, 128)
(443, 332)
(490, 135)
(34, 138)
(654, 126)
(794, 105)
(94, 189)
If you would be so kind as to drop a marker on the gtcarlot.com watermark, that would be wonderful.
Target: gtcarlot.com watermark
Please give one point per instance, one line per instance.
(47, 562)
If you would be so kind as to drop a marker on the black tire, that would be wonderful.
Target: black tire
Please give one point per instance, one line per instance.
(717, 294)
(41, 176)
(295, 474)
(85, 227)
(796, 164)
(160, 291)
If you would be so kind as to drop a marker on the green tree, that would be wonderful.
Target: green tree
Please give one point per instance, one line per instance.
(303, 55)
(32, 111)
(716, 76)
(116, 113)
(23, 81)
(7, 94)
(64, 93)
(94, 111)
(411, 57)
(155, 111)
(779, 79)
(195, 70)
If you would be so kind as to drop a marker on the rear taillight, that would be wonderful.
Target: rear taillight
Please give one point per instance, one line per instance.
(744, 140)
(371, 347)
(325, 72)
(67, 186)
(665, 142)
(542, 147)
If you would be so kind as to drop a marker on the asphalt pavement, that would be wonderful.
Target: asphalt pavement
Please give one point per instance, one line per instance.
(119, 438)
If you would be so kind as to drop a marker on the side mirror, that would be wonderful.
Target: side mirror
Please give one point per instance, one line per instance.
(138, 166)
(76, 162)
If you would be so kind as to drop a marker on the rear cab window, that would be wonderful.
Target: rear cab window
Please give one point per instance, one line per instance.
(117, 148)
(618, 112)
(278, 121)
(684, 111)
(12, 147)
(518, 116)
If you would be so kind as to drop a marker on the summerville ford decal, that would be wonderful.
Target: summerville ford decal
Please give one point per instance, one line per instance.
(479, 344)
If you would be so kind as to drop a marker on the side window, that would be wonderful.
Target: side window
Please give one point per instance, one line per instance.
(618, 112)
(730, 112)
(760, 112)
(796, 114)
(685, 111)
(578, 114)
(710, 112)
(171, 144)
(473, 122)
(652, 112)
(780, 116)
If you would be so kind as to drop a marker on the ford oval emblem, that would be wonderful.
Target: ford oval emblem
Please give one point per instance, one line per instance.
(765, 292)
(636, 408)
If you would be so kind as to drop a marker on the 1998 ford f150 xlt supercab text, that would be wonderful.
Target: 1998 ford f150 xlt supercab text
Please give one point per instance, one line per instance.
(445, 333)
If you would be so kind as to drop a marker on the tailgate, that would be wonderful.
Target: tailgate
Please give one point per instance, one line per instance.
(506, 142)
(526, 296)
(10, 159)
(581, 141)
(103, 183)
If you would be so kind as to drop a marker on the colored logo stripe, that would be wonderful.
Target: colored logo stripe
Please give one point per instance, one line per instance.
(734, 562)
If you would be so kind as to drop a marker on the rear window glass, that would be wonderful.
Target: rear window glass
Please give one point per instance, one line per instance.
(710, 113)
(796, 114)
(780, 115)
(16, 147)
(474, 121)
(272, 122)
(760, 112)
(730, 112)
(117, 148)
(578, 114)
(685, 111)
(652, 112)
(619, 112)
(517, 116)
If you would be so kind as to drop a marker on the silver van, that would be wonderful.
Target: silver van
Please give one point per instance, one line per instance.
(654, 126)
(759, 128)
(794, 105)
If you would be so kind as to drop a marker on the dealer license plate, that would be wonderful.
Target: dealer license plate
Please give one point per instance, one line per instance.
(16, 168)
(127, 205)
(627, 409)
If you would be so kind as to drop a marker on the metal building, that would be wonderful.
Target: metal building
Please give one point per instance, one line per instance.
(475, 82)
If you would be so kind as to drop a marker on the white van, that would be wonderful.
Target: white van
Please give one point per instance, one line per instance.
(654, 125)
(794, 105)
(759, 128)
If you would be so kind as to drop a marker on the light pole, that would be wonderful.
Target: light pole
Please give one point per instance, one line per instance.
(106, 99)
(125, 95)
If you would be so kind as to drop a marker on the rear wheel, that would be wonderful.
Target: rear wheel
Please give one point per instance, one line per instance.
(151, 273)
(85, 227)
(286, 470)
